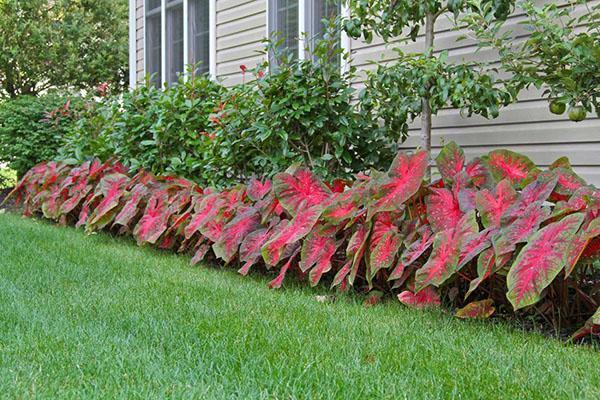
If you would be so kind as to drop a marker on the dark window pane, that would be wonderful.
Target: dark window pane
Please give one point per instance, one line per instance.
(174, 43)
(283, 20)
(199, 36)
(317, 12)
(152, 4)
(153, 48)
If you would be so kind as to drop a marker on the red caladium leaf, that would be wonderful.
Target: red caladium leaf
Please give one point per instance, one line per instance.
(85, 210)
(479, 173)
(277, 282)
(450, 161)
(341, 275)
(443, 262)
(200, 253)
(130, 209)
(213, 229)
(473, 245)
(356, 250)
(493, 204)
(344, 207)
(418, 247)
(250, 248)
(257, 190)
(234, 233)
(579, 244)
(317, 249)
(398, 271)
(384, 253)
(506, 164)
(77, 193)
(291, 232)
(205, 210)
(487, 265)
(112, 188)
(540, 261)
(443, 210)
(568, 180)
(537, 191)
(154, 221)
(299, 189)
(401, 183)
(521, 229)
(426, 298)
(477, 309)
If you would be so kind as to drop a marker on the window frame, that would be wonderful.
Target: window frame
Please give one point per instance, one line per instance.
(164, 5)
(305, 13)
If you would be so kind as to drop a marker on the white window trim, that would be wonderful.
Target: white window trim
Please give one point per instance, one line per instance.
(163, 39)
(345, 39)
(212, 41)
(132, 45)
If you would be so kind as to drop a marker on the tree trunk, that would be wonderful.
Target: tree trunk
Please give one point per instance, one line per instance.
(426, 113)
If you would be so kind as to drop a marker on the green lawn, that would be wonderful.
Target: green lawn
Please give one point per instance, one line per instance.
(97, 317)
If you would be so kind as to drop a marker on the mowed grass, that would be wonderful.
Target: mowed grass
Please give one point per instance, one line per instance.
(96, 317)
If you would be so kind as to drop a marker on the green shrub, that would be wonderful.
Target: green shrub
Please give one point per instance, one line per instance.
(158, 130)
(32, 129)
(301, 112)
(8, 178)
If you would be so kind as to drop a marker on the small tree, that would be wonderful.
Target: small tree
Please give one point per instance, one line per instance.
(420, 84)
(558, 56)
(61, 43)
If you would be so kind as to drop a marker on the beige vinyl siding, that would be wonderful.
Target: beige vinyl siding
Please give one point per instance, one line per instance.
(139, 40)
(241, 26)
(527, 126)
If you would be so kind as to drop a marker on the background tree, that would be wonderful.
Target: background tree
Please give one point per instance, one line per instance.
(420, 84)
(62, 43)
(558, 56)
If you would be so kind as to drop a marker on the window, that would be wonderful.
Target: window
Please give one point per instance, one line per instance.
(283, 20)
(166, 23)
(153, 41)
(317, 11)
(199, 36)
(174, 40)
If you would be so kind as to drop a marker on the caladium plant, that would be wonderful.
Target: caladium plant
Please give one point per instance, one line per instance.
(496, 230)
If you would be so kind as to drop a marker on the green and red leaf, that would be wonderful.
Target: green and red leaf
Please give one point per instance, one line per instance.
(492, 204)
(540, 261)
(234, 233)
(299, 189)
(401, 183)
(425, 298)
(450, 161)
(506, 164)
(477, 309)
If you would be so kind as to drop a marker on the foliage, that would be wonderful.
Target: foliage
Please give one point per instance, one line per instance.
(420, 84)
(558, 56)
(32, 129)
(302, 112)
(163, 131)
(68, 44)
(8, 178)
(391, 231)
(393, 93)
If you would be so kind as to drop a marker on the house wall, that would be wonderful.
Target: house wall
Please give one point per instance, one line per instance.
(527, 126)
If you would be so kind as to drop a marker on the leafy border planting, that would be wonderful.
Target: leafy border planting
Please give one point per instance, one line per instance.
(493, 234)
